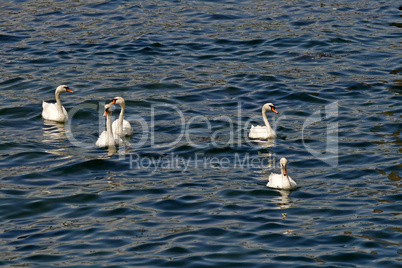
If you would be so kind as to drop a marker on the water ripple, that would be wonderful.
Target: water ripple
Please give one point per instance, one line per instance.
(200, 200)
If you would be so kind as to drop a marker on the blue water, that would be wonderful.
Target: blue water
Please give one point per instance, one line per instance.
(188, 189)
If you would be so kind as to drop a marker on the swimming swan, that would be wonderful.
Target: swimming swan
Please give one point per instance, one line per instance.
(121, 127)
(282, 181)
(263, 132)
(56, 111)
(106, 138)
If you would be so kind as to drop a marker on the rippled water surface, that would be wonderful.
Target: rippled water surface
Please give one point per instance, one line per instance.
(188, 189)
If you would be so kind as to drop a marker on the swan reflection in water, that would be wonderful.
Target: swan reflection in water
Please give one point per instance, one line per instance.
(284, 201)
(53, 131)
(111, 150)
(265, 143)
(55, 135)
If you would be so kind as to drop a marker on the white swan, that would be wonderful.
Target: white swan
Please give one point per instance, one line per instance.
(263, 132)
(107, 138)
(56, 111)
(282, 181)
(120, 126)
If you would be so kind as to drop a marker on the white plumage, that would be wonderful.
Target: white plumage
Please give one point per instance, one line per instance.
(120, 126)
(263, 132)
(107, 138)
(56, 111)
(282, 181)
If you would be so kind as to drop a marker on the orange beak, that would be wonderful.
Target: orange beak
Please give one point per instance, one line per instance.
(284, 171)
(275, 111)
(105, 113)
(113, 102)
(69, 90)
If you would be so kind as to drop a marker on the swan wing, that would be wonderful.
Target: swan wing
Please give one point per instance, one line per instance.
(275, 181)
(293, 184)
(115, 125)
(261, 132)
(127, 129)
(49, 109)
(256, 132)
(50, 112)
(117, 132)
(101, 142)
(65, 112)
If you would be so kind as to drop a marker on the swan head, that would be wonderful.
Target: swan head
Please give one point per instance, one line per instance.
(118, 100)
(63, 88)
(283, 162)
(108, 109)
(269, 107)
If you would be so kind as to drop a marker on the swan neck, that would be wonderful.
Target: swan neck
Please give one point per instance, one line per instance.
(109, 125)
(123, 109)
(121, 116)
(285, 182)
(264, 116)
(58, 101)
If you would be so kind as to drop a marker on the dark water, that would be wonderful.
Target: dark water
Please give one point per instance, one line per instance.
(189, 188)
